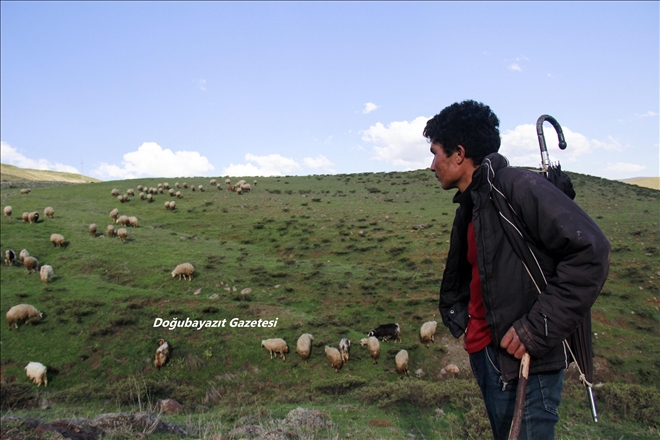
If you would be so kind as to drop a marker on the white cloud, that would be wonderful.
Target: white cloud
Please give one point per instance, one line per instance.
(648, 114)
(515, 67)
(401, 143)
(150, 160)
(521, 145)
(320, 162)
(201, 84)
(621, 167)
(369, 107)
(11, 156)
(270, 165)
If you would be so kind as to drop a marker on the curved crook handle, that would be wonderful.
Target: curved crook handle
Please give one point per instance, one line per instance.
(545, 159)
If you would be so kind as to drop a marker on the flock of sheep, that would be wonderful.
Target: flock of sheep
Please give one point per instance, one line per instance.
(26, 312)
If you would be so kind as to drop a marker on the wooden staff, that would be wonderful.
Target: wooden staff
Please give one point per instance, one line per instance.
(521, 391)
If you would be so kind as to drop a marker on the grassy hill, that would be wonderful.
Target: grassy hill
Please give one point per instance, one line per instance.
(331, 255)
(647, 182)
(14, 174)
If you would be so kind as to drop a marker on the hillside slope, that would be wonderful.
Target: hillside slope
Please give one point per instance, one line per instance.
(11, 173)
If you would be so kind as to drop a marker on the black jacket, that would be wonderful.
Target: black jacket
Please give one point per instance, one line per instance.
(571, 250)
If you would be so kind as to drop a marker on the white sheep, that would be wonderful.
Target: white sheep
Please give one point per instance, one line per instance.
(178, 194)
(25, 191)
(46, 273)
(213, 182)
(49, 212)
(36, 372)
(114, 192)
(304, 346)
(176, 185)
(172, 205)
(31, 264)
(162, 354)
(240, 183)
(167, 205)
(246, 187)
(170, 192)
(93, 229)
(277, 346)
(402, 360)
(57, 240)
(344, 348)
(227, 182)
(142, 195)
(133, 221)
(25, 217)
(10, 257)
(122, 233)
(123, 219)
(373, 345)
(113, 214)
(334, 357)
(166, 185)
(427, 332)
(254, 183)
(185, 185)
(219, 186)
(24, 253)
(150, 198)
(33, 217)
(140, 188)
(130, 192)
(111, 230)
(7, 211)
(201, 188)
(22, 312)
(184, 270)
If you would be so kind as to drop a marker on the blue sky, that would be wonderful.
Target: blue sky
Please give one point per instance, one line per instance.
(166, 89)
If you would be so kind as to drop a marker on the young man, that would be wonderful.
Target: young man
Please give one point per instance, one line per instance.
(487, 293)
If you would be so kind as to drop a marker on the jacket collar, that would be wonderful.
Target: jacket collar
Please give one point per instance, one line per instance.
(484, 174)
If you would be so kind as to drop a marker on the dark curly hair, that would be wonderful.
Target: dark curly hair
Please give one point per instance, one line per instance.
(470, 124)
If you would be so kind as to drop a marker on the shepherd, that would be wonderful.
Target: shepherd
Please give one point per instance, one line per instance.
(487, 292)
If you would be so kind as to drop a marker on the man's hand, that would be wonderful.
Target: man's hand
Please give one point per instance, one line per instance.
(512, 344)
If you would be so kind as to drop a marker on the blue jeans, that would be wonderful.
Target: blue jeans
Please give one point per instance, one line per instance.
(543, 398)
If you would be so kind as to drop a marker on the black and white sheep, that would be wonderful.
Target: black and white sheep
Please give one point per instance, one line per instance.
(386, 331)
(277, 346)
(22, 312)
(10, 257)
(344, 349)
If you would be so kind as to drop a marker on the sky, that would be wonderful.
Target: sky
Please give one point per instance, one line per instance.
(120, 90)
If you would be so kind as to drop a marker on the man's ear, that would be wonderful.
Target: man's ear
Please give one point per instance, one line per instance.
(460, 154)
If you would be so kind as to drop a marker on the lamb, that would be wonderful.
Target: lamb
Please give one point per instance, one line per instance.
(113, 214)
(387, 331)
(22, 312)
(57, 240)
(25, 191)
(7, 211)
(36, 372)
(33, 217)
(46, 273)
(31, 264)
(373, 345)
(427, 331)
(334, 357)
(122, 233)
(184, 270)
(25, 217)
(277, 346)
(133, 221)
(401, 360)
(304, 346)
(92, 229)
(23, 254)
(162, 354)
(10, 257)
(344, 347)
(111, 230)
(49, 212)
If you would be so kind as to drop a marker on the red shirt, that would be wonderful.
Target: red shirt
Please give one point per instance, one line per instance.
(477, 333)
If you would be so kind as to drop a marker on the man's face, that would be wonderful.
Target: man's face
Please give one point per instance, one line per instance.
(445, 168)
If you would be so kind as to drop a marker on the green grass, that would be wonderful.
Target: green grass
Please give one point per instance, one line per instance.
(330, 255)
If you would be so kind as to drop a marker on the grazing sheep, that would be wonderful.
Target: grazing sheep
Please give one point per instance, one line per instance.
(231, 188)
(402, 360)
(113, 214)
(23, 254)
(254, 183)
(150, 198)
(130, 192)
(167, 205)
(25, 217)
(166, 185)
(201, 188)
(386, 331)
(160, 186)
(31, 264)
(142, 195)
(114, 192)
(178, 194)
(33, 217)
(172, 205)
(123, 219)
(240, 183)
(133, 222)
(10, 257)
(239, 190)
(176, 185)
(170, 192)
(122, 233)
(344, 347)
(92, 229)
(7, 211)
(427, 331)
(184, 270)
(277, 346)
(111, 230)
(162, 354)
(123, 198)
(219, 186)
(49, 212)
(213, 182)
(22, 312)
(227, 182)
(246, 187)
(185, 185)
(304, 346)
(57, 240)
(373, 345)
(140, 188)
(334, 357)
(46, 273)
(25, 191)
(192, 188)
(36, 372)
